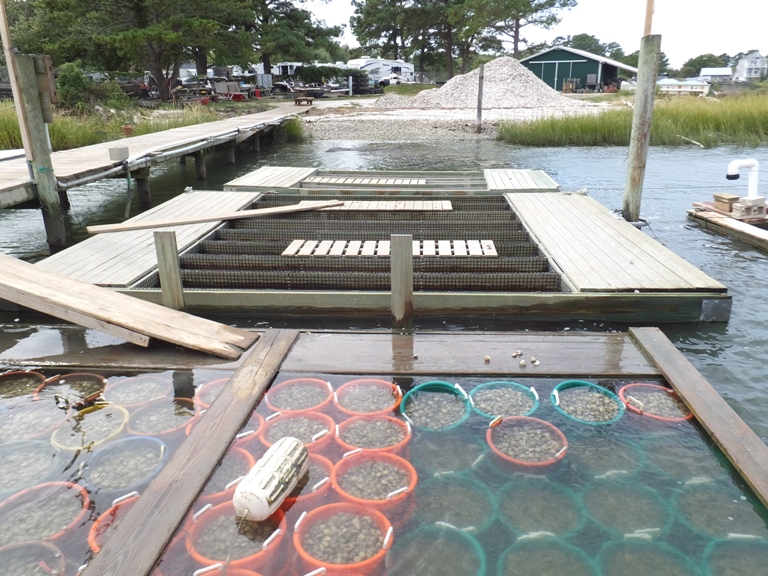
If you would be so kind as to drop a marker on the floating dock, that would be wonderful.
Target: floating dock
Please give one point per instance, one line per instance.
(753, 231)
(492, 242)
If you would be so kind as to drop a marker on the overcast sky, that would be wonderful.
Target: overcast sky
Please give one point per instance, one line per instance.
(688, 28)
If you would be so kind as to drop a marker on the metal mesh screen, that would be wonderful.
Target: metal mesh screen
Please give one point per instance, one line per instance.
(246, 254)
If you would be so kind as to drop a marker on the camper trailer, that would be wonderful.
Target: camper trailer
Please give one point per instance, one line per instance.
(386, 71)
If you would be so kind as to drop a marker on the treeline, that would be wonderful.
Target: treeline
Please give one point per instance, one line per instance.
(160, 35)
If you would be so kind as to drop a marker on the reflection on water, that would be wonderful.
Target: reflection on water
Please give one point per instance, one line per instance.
(730, 356)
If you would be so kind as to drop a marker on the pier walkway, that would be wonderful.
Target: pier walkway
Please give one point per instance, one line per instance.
(91, 163)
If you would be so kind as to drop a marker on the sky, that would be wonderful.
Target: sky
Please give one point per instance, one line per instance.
(688, 28)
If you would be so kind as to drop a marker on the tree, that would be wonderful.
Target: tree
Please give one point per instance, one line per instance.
(693, 66)
(509, 17)
(381, 24)
(634, 59)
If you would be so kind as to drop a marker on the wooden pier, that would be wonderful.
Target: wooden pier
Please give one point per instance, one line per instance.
(751, 231)
(548, 255)
(90, 163)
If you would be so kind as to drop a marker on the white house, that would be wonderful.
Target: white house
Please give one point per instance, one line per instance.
(723, 74)
(672, 87)
(750, 68)
(381, 69)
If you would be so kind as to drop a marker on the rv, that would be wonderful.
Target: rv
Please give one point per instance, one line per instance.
(386, 71)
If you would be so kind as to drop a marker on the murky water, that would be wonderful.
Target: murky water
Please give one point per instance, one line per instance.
(729, 355)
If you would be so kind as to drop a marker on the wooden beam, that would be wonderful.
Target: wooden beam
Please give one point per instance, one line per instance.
(401, 252)
(169, 269)
(746, 451)
(143, 225)
(65, 295)
(138, 541)
(748, 233)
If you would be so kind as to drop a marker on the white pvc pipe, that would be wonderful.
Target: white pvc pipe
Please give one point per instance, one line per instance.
(753, 165)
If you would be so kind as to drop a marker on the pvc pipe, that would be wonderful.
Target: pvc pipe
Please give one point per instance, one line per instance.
(753, 165)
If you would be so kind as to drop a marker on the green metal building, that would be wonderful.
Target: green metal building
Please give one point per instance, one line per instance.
(574, 69)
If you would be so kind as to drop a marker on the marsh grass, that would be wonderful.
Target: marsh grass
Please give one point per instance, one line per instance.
(291, 132)
(76, 130)
(741, 120)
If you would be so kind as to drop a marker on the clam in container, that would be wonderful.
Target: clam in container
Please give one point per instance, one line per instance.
(626, 509)
(222, 483)
(367, 396)
(437, 551)
(522, 441)
(16, 386)
(640, 557)
(124, 466)
(457, 501)
(531, 506)
(314, 487)
(654, 401)
(342, 538)
(504, 398)
(545, 554)
(374, 434)
(299, 395)
(132, 393)
(26, 463)
(208, 392)
(436, 406)
(217, 535)
(48, 511)
(90, 428)
(165, 419)
(314, 429)
(587, 403)
(736, 556)
(78, 387)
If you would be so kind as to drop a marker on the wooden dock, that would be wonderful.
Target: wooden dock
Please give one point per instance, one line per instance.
(141, 536)
(317, 181)
(751, 232)
(91, 161)
(550, 255)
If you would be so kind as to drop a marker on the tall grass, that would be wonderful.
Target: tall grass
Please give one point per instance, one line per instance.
(291, 132)
(74, 131)
(741, 120)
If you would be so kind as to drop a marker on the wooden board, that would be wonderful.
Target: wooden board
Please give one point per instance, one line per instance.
(748, 233)
(140, 537)
(64, 297)
(746, 451)
(426, 248)
(122, 259)
(390, 206)
(268, 177)
(520, 181)
(300, 207)
(597, 252)
(599, 355)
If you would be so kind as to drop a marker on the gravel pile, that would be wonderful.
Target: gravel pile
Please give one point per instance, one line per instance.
(507, 84)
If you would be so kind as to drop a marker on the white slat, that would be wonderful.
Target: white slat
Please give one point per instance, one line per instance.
(428, 247)
(489, 249)
(293, 247)
(353, 249)
(383, 248)
(338, 248)
(307, 249)
(459, 248)
(369, 248)
(323, 248)
(474, 248)
(444, 247)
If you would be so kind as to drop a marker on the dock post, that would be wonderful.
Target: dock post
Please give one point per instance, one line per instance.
(231, 152)
(169, 269)
(142, 187)
(479, 122)
(256, 143)
(182, 160)
(401, 250)
(640, 139)
(200, 171)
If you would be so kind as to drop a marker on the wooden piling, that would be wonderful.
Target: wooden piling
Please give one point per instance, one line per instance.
(255, 143)
(142, 187)
(231, 152)
(479, 122)
(200, 171)
(640, 139)
(182, 160)
(401, 247)
(169, 270)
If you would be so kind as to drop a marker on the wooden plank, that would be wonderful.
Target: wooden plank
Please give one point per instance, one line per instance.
(459, 248)
(746, 451)
(369, 248)
(220, 217)
(293, 248)
(428, 247)
(338, 248)
(307, 249)
(444, 248)
(416, 247)
(447, 205)
(748, 233)
(383, 248)
(323, 248)
(600, 355)
(488, 248)
(169, 270)
(49, 290)
(474, 248)
(141, 536)
(401, 204)
(402, 281)
(353, 248)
